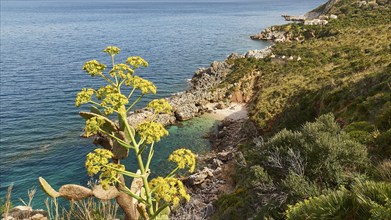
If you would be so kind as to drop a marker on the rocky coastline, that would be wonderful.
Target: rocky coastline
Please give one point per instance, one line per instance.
(317, 16)
(203, 95)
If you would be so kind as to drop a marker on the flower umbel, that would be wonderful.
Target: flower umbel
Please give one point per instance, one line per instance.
(114, 101)
(160, 106)
(93, 67)
(104, 91)
(171, 190)
(84, 96)
(93, 125)
(151, 131)
(184, 158)
(109, 174)
(98, 161)
(112, 50)
(144, 85)
(122, 70)
(137, 62)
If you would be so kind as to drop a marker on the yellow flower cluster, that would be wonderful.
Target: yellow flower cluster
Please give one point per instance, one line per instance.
(184, 158)
(112, 50)
(151, 131)
(144, 85)
(171, 190)
(84, 96)
(160, 106)
(122, 70)
(108, 175)
(98, 161)
(104, 91)
(93, 67)
(113, 101)
(137, 62)
(93, 125)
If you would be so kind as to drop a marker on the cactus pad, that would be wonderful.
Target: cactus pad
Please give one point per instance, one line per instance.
(47, 188)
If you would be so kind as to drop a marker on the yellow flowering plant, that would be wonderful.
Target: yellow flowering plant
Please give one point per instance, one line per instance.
(118, 139)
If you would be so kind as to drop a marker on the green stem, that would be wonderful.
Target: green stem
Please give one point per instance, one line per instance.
(95, 103)
(121, 142)
(124, 172)
(172, 172)
(145, 183)
(150, 155)
(138, 99)
(108, 80)
(161, 208)
(139, 161)
(132, 194)
(131, 93)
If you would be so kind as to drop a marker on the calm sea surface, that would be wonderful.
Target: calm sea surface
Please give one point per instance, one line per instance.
(45, 43)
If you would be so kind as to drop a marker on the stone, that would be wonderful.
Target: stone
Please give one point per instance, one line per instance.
(26, 212)
(100, 193)
(221, 105)
(38, 217)
(75, 192)
(209, 210)
(198, 178)
(225, 156)
(333, 16)
(217, 163)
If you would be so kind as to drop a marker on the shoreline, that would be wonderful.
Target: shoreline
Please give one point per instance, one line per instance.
(235, 111)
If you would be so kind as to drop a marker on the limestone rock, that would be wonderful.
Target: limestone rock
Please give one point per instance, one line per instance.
(100, 193)
(200, 177)
(75, 192)
(26, 212)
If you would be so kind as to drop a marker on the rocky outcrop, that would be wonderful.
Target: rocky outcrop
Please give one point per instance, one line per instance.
(203, 89)
(293, 17)
(271, 34)
(321, 10)
(259, 54)
(315, 17)
(26, 213)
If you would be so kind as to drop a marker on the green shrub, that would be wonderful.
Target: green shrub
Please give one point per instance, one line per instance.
(367, 200)
(360, 126)
(383, 144)
(384, 170)
(319, 149)
(299, 188)
(229, 204)
(362, 137)
(383, 118)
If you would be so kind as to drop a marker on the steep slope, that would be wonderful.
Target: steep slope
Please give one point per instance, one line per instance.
(338, 75)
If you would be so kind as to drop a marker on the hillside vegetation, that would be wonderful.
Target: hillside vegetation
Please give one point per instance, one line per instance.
(323, 106)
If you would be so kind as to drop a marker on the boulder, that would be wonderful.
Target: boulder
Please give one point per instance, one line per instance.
(200, 177)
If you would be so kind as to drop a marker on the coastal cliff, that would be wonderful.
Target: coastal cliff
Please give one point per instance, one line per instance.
(205, 92)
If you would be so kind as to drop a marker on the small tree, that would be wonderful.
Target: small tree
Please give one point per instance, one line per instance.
(148, 199)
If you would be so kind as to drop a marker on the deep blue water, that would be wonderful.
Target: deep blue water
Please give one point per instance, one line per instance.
(45, 43)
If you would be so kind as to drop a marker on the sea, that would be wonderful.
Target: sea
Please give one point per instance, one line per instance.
(45, 43)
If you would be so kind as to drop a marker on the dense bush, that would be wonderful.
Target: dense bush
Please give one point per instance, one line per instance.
(321, 151)
(294, 165)
(365, 200)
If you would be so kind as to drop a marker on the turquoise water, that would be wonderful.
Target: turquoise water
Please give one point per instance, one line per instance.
(45, 43)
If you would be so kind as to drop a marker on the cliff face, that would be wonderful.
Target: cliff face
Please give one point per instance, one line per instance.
(321, 10)
(208, 87)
